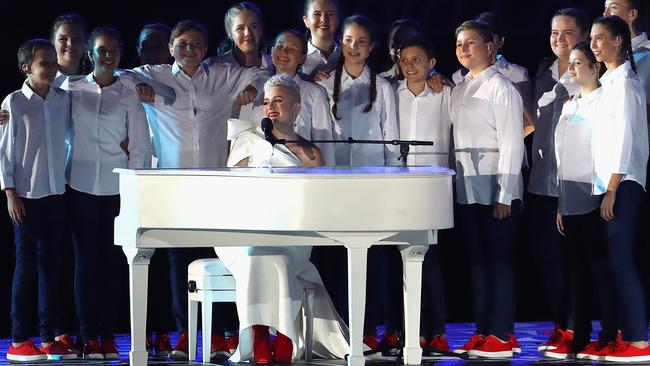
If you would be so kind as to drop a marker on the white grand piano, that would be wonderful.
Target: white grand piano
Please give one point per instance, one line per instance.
(354, 207)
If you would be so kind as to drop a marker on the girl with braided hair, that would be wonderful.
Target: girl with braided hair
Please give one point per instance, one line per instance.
(362, 103)
(620, 142)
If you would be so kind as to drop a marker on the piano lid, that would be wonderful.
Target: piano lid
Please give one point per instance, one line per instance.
(303, 172)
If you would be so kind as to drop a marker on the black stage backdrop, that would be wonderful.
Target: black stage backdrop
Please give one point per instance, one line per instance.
(526, 44)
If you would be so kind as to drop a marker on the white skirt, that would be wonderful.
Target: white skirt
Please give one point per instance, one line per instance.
(270, 284)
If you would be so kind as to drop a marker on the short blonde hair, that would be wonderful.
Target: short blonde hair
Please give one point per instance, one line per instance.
(284, 81)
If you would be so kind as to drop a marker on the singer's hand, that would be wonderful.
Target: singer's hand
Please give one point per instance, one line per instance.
(321, 75)
(247, 96)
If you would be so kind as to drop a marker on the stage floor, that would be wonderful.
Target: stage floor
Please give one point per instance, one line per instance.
(529, 334)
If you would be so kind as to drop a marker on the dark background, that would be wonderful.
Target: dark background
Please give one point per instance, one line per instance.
(526, 44)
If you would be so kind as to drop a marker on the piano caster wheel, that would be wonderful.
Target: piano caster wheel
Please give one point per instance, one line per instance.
(191, 286)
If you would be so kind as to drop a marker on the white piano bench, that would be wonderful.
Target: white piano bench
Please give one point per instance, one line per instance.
(210, 281)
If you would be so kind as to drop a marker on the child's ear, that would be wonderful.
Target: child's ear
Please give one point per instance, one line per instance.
(171, 49)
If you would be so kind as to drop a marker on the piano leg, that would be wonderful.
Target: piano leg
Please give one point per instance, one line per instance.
(357, 268)
(138, 260)
(412, 258)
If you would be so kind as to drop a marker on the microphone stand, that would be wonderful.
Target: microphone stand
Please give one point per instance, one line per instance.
(404, 145)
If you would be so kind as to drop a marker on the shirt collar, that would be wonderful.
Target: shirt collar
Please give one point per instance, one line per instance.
(29, 93)
(640, 41)
(117, 85)
(589, 97)
(313, 49)
(364, 77)
(177, 69)
(612, 75)
(403, 87)
(484, 74)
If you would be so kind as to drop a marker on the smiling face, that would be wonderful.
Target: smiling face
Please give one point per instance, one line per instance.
(69, 44)
(581, 71)
(415, 64)
(279, 106)
(246, 31)
(322, 19)
(604, 45)
(188, 49)
(472, 51)
(106, 54)
(42, 69)
(356, 45)
(288, 54)
(565, 34)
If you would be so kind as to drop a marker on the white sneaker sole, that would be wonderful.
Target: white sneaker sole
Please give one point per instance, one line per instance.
(516, 350)
(627, 359)
(19, 358)
(93, 356)
(112, 356)
(555, 355)
(500, 354)
(459, 351)
(582, 356)
(542, 349)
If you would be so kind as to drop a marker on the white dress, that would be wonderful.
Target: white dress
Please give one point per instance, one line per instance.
(270, 281)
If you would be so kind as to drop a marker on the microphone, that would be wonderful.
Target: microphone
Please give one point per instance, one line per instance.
(267, 127)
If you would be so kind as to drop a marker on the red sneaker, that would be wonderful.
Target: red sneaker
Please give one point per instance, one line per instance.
(390, 344)
(563, 347)
(438, 343)
(92, 351)
(233, 343)
(162, 346)
(180, 352)
(109, 349)
(261, 344)
(473, 342)
(282, 349)
(371, 342)
(555, 335)
(595, 350)
(26, 352)
(492, 347)
(219, 347)
(57, 351)
(68, 343)
(516, 348)
(626, 352)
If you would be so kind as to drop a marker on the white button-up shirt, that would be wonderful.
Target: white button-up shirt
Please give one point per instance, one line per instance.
(102, 118)
(314, 122)
(518, 76)
(244, 112)
(33, 144)
(486, 112)
(641, 49)
(316, 59)
(191, 131)
(380, 123)
(425, 117)
(574, 156)
(620, 139)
